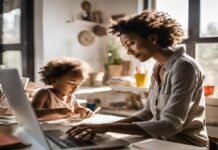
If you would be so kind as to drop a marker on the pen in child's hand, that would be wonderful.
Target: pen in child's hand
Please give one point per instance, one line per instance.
(96, 110)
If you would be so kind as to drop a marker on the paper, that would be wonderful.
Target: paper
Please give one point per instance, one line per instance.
(7, 120)
(11, 142)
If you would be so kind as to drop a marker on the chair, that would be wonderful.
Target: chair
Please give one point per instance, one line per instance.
(213, 143)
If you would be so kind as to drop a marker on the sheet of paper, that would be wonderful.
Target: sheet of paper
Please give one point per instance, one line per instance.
(7, 120)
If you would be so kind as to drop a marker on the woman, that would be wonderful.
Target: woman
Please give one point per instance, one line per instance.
(175, 108)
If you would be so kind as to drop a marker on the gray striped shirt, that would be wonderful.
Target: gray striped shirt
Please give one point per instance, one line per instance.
(175, 109)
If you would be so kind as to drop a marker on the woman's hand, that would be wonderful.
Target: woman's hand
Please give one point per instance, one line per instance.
(86, 130)
(84, 112)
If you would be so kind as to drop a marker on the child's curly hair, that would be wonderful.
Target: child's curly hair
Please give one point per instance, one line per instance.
(60, 66)
(168, 30)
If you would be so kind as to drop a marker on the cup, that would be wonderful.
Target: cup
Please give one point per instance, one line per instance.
(209, 90)
(140, 79)
(91, 106)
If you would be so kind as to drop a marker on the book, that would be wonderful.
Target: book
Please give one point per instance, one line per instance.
(8, 141)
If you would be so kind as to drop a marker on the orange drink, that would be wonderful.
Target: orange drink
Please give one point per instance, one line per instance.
(140, 79)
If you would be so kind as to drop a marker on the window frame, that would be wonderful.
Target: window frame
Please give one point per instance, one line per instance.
(26, 45)
(194, 10)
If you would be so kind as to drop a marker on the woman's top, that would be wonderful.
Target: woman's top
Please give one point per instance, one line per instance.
(175, 107)
(55, 102)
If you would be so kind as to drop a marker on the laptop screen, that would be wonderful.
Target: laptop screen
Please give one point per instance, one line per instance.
(21, 109)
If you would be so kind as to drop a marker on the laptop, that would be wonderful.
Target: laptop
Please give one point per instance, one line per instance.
(29, 130)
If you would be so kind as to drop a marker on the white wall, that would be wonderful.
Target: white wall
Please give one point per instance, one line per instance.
(59, 38)
(38, 36)
(111, 7)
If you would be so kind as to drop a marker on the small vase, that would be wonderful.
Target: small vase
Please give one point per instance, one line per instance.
(115, 70)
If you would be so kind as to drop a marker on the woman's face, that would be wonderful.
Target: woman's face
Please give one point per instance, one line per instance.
(139, 47)
(67, 84)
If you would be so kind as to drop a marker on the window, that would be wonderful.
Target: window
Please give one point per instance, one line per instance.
(207, 55)
(208, 19)
(200, 23)
(179, 13)
(16, 36)
(12, 59)
(11, 22)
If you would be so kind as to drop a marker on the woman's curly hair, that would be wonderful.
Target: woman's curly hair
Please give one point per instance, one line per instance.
(61, 66)
(169, 31)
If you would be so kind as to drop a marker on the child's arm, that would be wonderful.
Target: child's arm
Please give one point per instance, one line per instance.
(40, 99)
(41, 102)
(54, 113)
(3, 110)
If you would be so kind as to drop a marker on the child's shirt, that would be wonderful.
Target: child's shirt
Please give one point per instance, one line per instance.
(56, 102)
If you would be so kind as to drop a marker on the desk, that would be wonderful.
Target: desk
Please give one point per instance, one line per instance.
(99, 118)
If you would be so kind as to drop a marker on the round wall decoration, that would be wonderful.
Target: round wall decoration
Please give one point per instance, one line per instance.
(86, 38)
(99, 30)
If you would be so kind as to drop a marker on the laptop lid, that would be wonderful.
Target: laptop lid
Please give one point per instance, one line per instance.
(29, 129)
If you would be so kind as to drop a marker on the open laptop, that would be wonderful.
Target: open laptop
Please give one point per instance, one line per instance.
(29, 130)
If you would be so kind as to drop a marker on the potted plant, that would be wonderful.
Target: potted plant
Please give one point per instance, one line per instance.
(114, 62)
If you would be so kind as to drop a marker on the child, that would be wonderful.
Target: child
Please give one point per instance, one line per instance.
(64, 75)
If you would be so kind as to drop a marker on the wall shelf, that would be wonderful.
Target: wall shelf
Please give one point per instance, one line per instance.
(92, 90)
(211, 101)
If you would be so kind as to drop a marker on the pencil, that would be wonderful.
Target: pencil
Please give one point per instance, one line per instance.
(96, 110)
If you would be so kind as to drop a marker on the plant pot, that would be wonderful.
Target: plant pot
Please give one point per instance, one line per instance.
(115, 70)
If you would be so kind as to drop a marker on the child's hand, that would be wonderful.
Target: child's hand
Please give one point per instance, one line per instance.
(67, 112)
(3, 110)
(72, 115)
(84, 112)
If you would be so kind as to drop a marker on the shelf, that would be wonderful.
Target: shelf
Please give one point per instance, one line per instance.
(92, 90)
(136, 90)
(84, 22)
(211, 101)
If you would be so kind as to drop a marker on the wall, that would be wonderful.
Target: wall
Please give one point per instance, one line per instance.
(55, 37)
(38, 36)
(60, 38)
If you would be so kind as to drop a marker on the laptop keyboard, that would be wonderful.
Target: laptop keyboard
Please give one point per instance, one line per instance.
(54, 136)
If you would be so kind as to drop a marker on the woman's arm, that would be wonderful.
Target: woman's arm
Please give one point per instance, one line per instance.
(128, 120)
(124, 128)
(143, 115)
(91, 129)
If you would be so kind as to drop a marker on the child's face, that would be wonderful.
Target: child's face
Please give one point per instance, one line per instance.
(68, 83)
